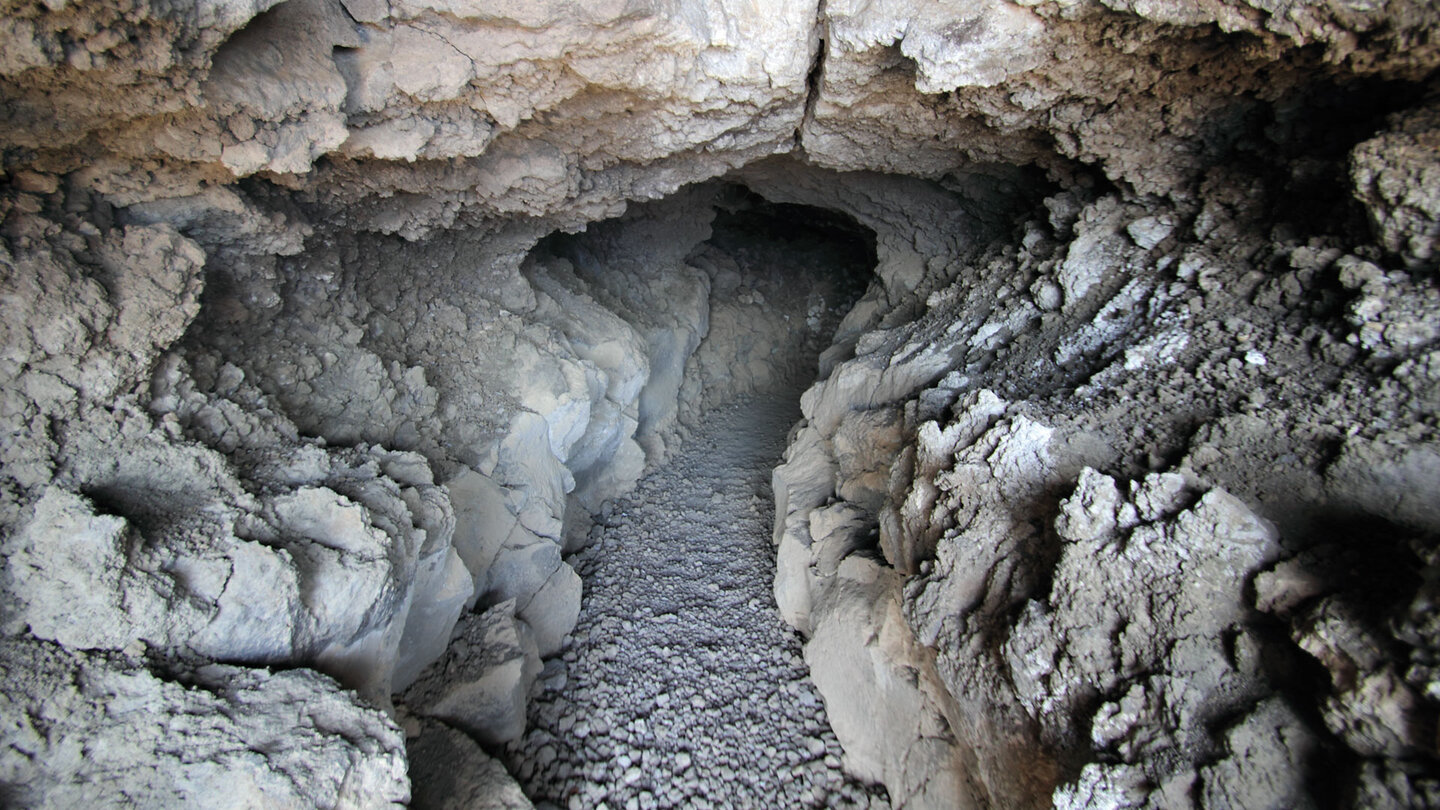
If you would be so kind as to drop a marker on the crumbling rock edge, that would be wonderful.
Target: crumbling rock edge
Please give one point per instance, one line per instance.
(1114, 487)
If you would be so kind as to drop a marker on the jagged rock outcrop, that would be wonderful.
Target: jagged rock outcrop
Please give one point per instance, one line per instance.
(95, 729)
(328, 323)
(451, 772)
(1078, 634)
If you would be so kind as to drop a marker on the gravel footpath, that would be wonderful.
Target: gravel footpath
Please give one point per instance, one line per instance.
(681, 686)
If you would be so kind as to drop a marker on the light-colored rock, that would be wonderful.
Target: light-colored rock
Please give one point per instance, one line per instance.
(551, 611)
(95, 730)
(1106, 235)
(1394, 175)
(1260, 769)
(481, 683)
(483, 522)
(879, 695)
(443, 589)
(1375, 477)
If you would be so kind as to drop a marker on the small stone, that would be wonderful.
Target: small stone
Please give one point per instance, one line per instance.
(35, 182)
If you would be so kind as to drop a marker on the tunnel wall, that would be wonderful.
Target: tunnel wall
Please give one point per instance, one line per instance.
(1155, 294)
(1098, 478)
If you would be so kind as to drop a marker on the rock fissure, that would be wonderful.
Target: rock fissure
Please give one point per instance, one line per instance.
(813, 78)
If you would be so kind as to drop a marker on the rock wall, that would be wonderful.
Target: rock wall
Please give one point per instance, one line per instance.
(328, 324)
(1088, 530)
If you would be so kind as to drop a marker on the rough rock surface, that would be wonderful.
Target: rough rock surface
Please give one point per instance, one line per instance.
(329, 324)
(451, 772)
(1086, 631)
(481, 684)
(92, 729)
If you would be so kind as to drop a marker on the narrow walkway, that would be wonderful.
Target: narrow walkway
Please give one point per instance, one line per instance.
(682, 687)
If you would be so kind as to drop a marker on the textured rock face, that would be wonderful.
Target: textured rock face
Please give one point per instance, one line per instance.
(451, 772)
(327, 324)
(87, 728)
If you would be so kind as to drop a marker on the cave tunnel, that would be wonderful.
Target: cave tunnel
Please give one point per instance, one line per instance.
(678, 665)
(836, 405)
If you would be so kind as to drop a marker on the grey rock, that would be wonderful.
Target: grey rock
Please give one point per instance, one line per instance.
(450, 772)
(220, 736)
(481, 684)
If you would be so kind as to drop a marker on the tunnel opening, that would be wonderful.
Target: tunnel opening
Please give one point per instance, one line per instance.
(779, 276)
(678, 662)
(681, 684)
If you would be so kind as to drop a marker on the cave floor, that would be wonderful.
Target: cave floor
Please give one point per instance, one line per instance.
(682, 687)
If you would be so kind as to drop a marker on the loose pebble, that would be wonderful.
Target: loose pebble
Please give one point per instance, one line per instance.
(680, 673)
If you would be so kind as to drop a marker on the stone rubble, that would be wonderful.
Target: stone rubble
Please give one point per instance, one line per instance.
(680, 686)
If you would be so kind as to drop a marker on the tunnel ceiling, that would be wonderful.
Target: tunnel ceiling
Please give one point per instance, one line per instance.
(330, 326)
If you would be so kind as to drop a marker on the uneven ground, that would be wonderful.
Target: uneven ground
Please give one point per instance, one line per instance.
(327, 327)
(682, 687)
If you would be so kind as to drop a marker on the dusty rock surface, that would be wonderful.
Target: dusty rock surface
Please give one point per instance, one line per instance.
(681, 687)
(88, 729)
(330, 325)
(450, 772)
(1076, 632)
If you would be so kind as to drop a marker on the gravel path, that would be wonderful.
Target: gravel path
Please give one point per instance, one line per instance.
(682, 687)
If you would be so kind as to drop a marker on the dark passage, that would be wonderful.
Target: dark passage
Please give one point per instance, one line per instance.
(680, 685)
